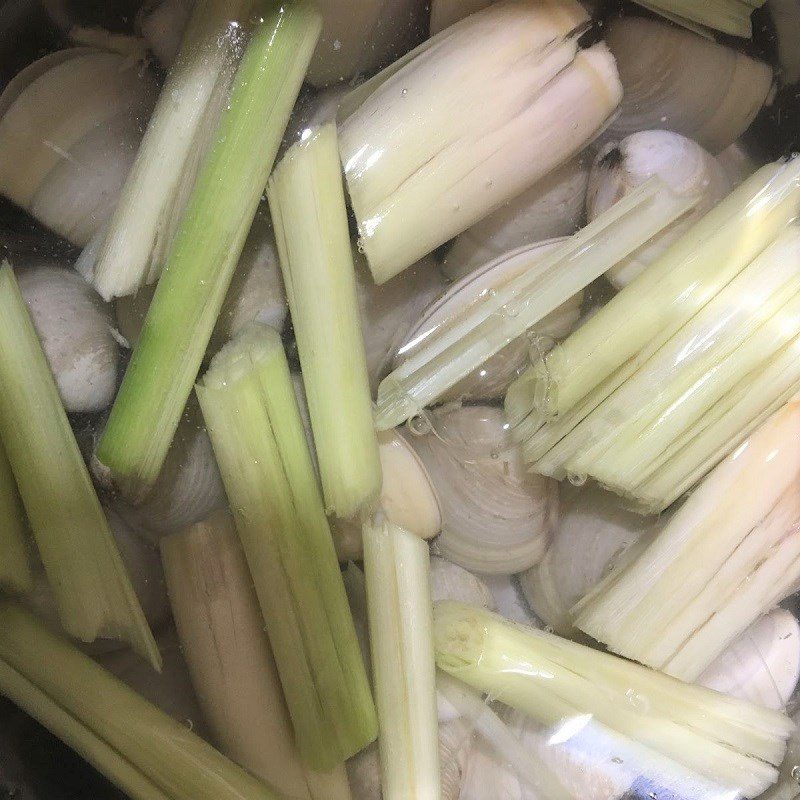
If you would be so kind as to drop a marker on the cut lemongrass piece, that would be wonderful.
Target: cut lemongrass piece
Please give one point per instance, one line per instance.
(461, 344)
(306, 199)
(397, 566)
(144, 751)
(421, 166)
(250, 409)
(83, 565)
(673, 289)
(730, 742)
(728, 16)
(15, 568)
(669, 607)
(139, 233)
(229, 658)
(205, 251)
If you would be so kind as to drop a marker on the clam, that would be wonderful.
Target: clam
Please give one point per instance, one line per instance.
(495, 375)
(738, 163)
(451, 582)
(255, 295)
(496, 517)
(408, 497)
(688, 169)
(676, 80)
(592, 532)
(70, 126)
(509, 599)
(189, 486)
(762, 665)
(76, 330)
(552, 207)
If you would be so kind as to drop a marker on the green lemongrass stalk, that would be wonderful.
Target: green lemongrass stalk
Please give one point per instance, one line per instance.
(306, 199)
(144, 751)
(249, 406)
(206, 249)
(728, 16)
(227, 651)
(139, 232)
(412, 186)
(736, 332)
(80, 557)
(725, 557)
(652, 308)
(730, 742)
(397, 566)
(15, 568)
(466, 341)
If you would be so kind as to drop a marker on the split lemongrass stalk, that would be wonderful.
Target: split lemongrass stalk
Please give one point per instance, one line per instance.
(453, 350)
(145, 752)
(306, 199)
(397, 566)
(422, 166)
(156, 190)
(206, 248)
(728, 16)
(559, 683)
(673, 289)
(728, 555)
(229, 658)
(15, 569)
(250, 409)
(83, 565)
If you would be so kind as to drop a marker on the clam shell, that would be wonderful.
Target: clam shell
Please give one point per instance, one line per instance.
(451, 582)
(492, 379)
(509, 599)
(496, 517)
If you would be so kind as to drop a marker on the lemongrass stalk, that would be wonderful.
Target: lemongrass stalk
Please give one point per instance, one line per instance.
(229, 658)
(673, 289)
(156, 190)
(482, 329)
(724, 544)
(15, 568)
(728, 16)
(412, 187)
(92, 589)
(741, 328)
(397, 565)
(206, 249)
(731, 742)
(146, 752)
(249, 406)
(306, 199)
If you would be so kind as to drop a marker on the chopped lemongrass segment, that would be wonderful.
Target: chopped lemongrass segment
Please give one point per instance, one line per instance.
(731, 742)
(145, 752)
(206, 249)
(250, 410)
(140, 231)
(461, 344)
(728, 555)
(397, 566)
(84, 568)
(228, 654)
(422, 166)
(652, 308)
(306, 199)
(15, 569)
(728, 16)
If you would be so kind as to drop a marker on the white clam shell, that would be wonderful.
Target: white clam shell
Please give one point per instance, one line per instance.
(451, 582)
(75, 328)
(552, 207)
(496, 517)
(688, 169)
(762, 665)
(593, 530)
(674, 79)
(491, 380)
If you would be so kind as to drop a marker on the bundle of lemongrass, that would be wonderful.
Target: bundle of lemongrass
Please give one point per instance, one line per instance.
(669, 376)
